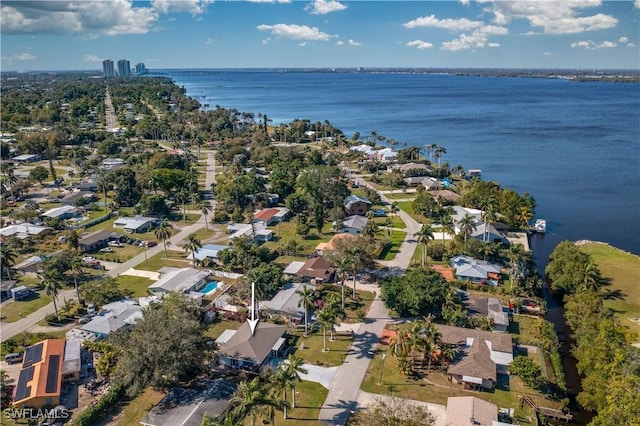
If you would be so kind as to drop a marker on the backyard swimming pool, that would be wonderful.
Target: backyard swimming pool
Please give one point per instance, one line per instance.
(209, 288)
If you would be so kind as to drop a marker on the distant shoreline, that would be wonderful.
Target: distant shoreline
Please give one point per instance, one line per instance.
(583, 242)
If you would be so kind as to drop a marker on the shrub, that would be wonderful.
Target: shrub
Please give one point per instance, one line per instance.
(530, 372)
(94, 413)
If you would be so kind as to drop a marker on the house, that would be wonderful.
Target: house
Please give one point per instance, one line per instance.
(5, 288)
(476, 271)
(31, 264)
(181, 280)
(414, 180)
(447, 194)
(354, 224)
(248, 230)
(247, 351)
(112, 163)
(87, 186)
(489, 233)
(415, 168)
(187, 407)
(98, 239)
(113, 317)
(471, 411)
(286, 303)
(27, 158)
(72, 362)
(482, 355)
(365, 149)
(71, 198)
(292, 269)
(316, 268)
(271, 216)
(61, 213)
(386, 154)
(355, 204)
(40, 379)
(431, 184)
(211, 251)
(486, 307)
(25, 230)
(137, 224)
(20, 292)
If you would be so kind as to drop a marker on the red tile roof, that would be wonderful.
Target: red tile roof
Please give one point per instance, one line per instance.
(265, 214)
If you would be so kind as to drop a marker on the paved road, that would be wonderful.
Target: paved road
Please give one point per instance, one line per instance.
(344, 392)
(110, 114)
(8, 330)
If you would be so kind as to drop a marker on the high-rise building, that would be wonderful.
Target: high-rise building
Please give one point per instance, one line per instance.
(107, 68)
(140, 69)
(124, 68)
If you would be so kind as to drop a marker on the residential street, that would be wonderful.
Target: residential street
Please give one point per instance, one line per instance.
(8, 330)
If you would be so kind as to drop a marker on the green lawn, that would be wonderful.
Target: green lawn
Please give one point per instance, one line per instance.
(313, 345)
(215, 329)
(177, 259)
(399, 195)
(16, 309)
(436, 388)
(623, 271)
(396, 222)
(131, 412)
(120, 254)
(136, 286)
(390, 250)
(286, 231)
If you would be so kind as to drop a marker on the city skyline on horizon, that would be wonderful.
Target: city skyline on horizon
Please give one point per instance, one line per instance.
(321, 34)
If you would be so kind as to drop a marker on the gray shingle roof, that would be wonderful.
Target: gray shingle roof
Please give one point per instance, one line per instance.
(256, 347)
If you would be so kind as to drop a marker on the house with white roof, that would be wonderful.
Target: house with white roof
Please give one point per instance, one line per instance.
(248, 230)
(113, 317)
(286, 303)
(386, 154)
(211, 251)
(135, 224)
(27, 158)
(62, 212)
(181, 280)
(354, 224)
(474, 270)
(25, 230)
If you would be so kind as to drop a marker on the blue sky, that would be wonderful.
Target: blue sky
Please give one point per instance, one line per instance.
(60, 35)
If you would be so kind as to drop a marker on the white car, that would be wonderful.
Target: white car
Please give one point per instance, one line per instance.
(114, 244)
(106, 250)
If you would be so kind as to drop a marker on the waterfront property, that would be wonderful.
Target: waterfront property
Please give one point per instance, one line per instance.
(486, 307)
(247, 351)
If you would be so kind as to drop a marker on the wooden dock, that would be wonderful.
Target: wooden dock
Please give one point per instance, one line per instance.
(549, 413)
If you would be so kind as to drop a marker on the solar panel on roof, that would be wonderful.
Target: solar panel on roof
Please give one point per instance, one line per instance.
(52, 374)
(22, 390)
(32, 355)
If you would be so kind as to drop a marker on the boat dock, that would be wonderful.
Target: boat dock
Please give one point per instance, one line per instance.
(519, 238)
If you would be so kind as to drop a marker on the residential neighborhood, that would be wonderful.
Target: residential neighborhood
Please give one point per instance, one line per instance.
(175, 270)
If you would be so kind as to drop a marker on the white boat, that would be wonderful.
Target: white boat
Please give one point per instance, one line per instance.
(540, 226)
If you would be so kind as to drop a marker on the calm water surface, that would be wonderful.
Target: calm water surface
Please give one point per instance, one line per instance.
(574, 146)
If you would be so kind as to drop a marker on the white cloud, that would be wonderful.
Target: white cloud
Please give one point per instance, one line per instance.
(20, 57)
(322, 7)
(420, 44)
(477, 39)
(354, 43)
(554, 17)
(339, 43)
(195, 7)
(631, 45)
(209, 41)
(266, 40)
(461, 24)
(303, 44)
(91, 58)
(547, 53)
(623, 40)
(269, 1)
(91, 18)
(590, 45)
(295, 32)
(464, 2)
(637, 4)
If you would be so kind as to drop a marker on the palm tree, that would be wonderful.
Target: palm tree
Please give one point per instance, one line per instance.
(424, 235)
(357, 258)
(437, 154)
(251, 398)
(280, 380)
(394, 208)
(370, 230)
(389, 224)
(327, 320)
(163, 233)
(342, 268)
(447, 225)
(430, 149)
(67, 306)
(183, 197)
(467, 225)
(306, 299)
(7, 258)
(524, 216)
(416, 340)
(74, 240)
(77, 272)
(193, 245)
(50, 280)
(294, 365)
(205, 208)
(592, 277)
(400, 343)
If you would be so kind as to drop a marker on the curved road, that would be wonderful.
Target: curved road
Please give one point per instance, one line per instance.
(8, 330)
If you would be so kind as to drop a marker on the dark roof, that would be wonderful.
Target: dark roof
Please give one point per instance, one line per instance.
(186, 407)
(500, 342)
(315, 267)
(6, 285)
(254, 348)
(22, 390)
(94, 237)
(476, 362)
(32, 354)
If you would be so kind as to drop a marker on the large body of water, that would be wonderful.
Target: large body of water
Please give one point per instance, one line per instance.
(574, 146)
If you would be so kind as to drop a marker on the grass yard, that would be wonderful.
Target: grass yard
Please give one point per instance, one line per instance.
(177, 259)
(313, 345)
(622, 295)
(120, 254)
(216, 328)
(133, 411)
(13, 310)
(20, 341)
(204, 235)
(396, 222)
(436, 388)
(136, 286)
(286, 231)
(406, 207)
(399, 195)
(395, 241)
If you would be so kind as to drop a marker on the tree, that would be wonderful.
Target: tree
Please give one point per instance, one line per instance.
(74, 240)
(193, 245)
(38, 174)
(205, 207)
(357, 257)
(419, 292)
(268, 279)
(424, 235)
(447, 226)
(7, 258)
(400, 343)
(527, 369)
(566, 268)
(163, 233)
(327, 320)
(294, 367)
(250, 400)
(102, 291)
(50, 279)
(166, 347)
(306, 299)
(77, 273)
(6, 390)
(343, 267)
(392, 411)
(467, 225)
(370, 230)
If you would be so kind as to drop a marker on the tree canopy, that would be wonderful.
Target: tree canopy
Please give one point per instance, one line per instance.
(419, 292)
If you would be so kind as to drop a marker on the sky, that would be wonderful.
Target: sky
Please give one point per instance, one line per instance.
(78, 35)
